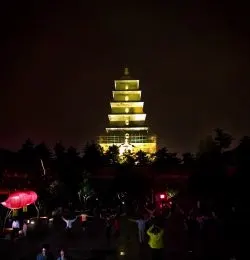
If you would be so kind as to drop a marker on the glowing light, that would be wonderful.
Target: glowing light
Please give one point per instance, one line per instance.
(135, 93)
(126, 87)
(126, 110)
(162, 196)
(126, 98)
(44, 172)
(32, 222)
(20, 199)
(122, 253)
(126, 129)
(126, 122)
(127, 104)
(130, 117)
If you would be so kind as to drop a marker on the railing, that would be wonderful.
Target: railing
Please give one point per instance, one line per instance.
(132, 139)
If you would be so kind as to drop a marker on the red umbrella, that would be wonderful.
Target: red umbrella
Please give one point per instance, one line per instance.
(20, 199)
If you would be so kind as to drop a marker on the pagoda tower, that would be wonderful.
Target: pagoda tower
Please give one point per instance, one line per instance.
(127, 127)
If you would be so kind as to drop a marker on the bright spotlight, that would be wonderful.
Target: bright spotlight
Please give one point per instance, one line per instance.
(122, 253)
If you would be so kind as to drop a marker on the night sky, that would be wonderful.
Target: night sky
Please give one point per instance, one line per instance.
(59, 61)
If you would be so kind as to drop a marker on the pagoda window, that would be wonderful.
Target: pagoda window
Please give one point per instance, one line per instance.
(126, 110)
(126, 122)
(126, 98)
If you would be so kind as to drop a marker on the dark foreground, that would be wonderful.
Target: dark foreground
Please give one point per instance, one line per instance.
(92, 244)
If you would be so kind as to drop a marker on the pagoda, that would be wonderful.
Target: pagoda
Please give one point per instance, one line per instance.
(127, 127)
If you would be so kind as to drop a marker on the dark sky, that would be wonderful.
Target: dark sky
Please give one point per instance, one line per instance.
(58, 63)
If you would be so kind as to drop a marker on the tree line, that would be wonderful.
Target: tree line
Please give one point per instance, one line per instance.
(210, 166)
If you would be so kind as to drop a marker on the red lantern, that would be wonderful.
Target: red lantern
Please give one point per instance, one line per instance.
(20, 199)
(32, 197)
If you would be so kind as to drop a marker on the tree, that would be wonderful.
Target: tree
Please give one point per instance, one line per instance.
(93, 156)
(173, 160)
(161, 157)
(85, 191)
(73, 169)
(188, 160)
(207, 145)
(141, 158)
(43, 152)
(27, 158)
(112, 155)
(60, 162)
(59, 151)
(72, 154)
(222, 139)
(127, 159)
(165, 160)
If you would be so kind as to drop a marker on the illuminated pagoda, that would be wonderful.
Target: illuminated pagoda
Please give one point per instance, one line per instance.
(127, 128)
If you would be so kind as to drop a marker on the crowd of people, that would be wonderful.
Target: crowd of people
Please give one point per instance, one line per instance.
(198, 223)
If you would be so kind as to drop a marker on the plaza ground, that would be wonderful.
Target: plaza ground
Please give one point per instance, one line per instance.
(84, 245)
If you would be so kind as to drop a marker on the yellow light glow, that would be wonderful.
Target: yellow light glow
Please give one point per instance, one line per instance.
(126, 87)
(127, 104)
(145, 147)
(126, 110)
(126, 92)
(126, 98)
(130, 117)
(126, 122)
(108, 129)
(127, 81)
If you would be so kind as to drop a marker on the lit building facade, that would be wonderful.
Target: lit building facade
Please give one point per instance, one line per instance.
(127, 127)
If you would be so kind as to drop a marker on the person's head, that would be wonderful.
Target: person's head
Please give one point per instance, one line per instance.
(44, 251)
(61, 253)
(46, 247)
(156, 230)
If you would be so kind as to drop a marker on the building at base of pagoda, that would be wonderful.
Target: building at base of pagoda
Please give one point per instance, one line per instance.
(127, 121)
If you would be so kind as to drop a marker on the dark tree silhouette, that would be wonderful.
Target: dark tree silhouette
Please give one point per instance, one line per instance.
(60, 151)
(211, 175)
(74, 168)
(112, 155)
(188, 160)
(222, 139)
(161, 158)
(128, 159)
(93, 157)
(43, 152)
(165, 160)
(27, 158)
(141, 158)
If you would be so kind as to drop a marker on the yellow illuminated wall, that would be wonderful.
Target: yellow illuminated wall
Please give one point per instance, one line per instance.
(146, 147)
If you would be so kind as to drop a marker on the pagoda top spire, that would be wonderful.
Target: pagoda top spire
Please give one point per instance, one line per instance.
(126, 75)
(126, 71)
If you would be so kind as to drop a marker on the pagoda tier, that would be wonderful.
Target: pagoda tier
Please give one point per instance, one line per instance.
(127, 118)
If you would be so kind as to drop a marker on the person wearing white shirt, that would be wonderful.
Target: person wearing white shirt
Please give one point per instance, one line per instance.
(15, 228)
(141, 224)
(69, 222)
